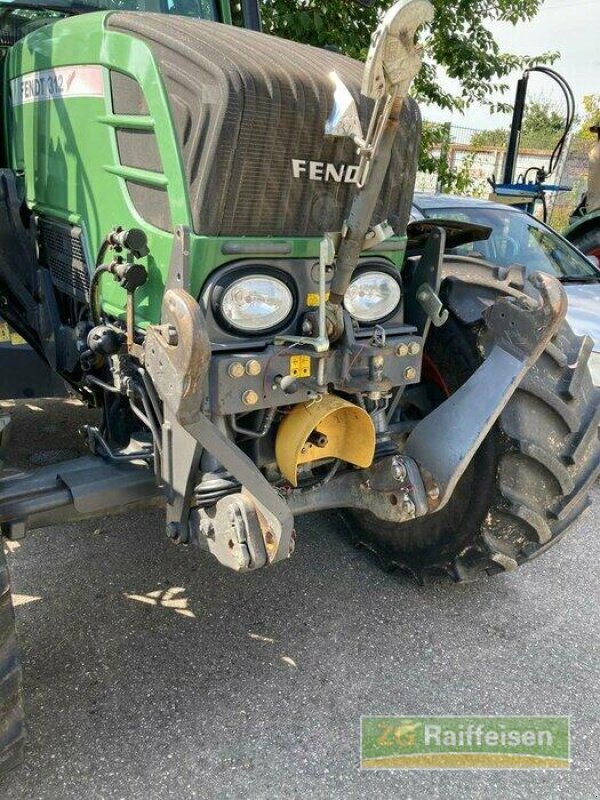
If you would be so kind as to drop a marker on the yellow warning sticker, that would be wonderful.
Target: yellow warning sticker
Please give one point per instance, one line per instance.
(8, 335)
(312, 299)
(300, 366)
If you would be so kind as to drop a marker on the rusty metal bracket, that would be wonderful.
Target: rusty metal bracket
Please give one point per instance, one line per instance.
(392, 490)
(177, 355)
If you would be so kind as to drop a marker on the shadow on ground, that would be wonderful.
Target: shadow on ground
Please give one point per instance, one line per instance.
(152, 672)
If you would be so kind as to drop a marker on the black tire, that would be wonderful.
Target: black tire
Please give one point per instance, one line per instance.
(529, 479)
(12, 729)
(588, 241)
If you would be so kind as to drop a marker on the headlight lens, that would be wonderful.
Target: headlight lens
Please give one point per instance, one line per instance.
(594, 364)
(372, 296)
(256, 303)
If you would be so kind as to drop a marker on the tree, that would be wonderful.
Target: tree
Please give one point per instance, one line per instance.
(543, 125)
(591, 116)
(458, 41)
(497, 138)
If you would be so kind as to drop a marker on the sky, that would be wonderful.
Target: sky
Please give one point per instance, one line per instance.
(571, 27)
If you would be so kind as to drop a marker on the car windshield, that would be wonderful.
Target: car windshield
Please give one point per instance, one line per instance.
(17, 19)
(518, 238)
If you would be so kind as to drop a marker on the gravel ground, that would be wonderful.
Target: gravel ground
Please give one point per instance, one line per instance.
(151, 672)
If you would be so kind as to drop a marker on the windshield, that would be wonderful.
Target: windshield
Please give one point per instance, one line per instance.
(518, 238)
(17, 19)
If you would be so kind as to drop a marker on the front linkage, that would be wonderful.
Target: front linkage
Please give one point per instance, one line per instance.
(251, 523)
(215, 493)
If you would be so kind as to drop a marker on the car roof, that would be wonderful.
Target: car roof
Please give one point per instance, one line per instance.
(425, 202)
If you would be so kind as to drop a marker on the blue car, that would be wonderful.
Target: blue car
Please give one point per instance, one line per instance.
(518, 238)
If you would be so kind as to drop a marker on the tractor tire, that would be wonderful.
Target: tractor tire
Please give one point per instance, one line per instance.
(527, 483)
(12, 727)
(588, 241)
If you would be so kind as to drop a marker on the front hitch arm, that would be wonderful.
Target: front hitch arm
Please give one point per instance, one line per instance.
(520, 328)
(177, 355)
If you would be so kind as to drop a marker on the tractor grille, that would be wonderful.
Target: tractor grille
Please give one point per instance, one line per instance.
(61, 250)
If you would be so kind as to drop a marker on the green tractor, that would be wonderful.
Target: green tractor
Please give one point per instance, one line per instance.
(204, 232)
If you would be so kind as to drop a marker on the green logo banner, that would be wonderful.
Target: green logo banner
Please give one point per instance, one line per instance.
(465, 743)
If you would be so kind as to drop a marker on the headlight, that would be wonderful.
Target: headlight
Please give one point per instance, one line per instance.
(594, 364)
(256, 303)
(372, 296)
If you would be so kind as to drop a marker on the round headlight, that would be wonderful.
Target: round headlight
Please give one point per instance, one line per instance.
(372, 296)
(256, 303)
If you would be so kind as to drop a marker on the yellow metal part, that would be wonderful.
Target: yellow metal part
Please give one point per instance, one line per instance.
(342, 430)
(312, 299)
(300, 366)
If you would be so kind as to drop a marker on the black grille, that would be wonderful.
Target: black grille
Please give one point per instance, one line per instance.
(61, 250)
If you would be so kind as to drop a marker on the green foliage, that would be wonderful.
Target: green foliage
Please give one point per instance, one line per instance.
(543, 125)
(497, 138)
(458, 41)
(435, 143)
(591, 116)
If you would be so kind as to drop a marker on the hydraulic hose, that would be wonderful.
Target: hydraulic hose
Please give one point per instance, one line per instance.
(94, 299)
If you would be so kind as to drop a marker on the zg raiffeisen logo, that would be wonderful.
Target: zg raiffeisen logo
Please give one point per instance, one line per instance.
(465, 743)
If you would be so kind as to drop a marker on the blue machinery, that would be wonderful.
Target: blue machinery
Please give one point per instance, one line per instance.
(524, 192)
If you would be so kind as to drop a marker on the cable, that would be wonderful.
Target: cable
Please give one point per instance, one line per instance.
(569, 118)
(94, 304)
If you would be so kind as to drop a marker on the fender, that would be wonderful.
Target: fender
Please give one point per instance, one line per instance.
(461, 273)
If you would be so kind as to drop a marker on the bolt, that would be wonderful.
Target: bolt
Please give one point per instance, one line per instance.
(422, 295)
(410, 373)
(250, 398)
(307, 327)
(253, 367)
(378, 361)
(398, 469)
(402, 350)
(235, 369)
(434, 493)
(414, 348)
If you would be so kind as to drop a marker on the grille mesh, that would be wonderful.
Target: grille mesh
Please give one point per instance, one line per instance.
(61, 250)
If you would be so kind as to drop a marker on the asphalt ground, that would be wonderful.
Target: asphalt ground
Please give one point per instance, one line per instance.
(152, 672)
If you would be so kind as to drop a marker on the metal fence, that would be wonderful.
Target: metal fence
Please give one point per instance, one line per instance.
(479, 163)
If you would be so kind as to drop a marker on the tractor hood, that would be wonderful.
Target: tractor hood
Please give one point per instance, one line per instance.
(249, 112)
